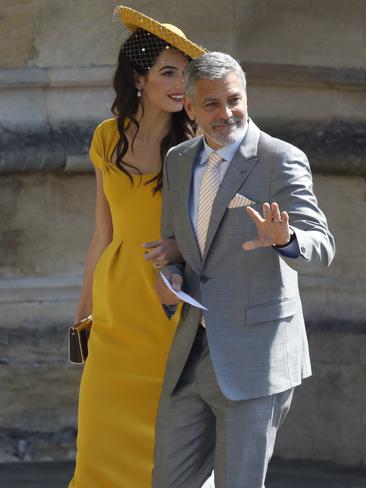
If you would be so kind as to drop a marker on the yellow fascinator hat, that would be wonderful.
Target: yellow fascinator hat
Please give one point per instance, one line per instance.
(169, 33)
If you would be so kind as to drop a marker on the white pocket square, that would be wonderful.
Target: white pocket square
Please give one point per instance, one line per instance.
(240, 201)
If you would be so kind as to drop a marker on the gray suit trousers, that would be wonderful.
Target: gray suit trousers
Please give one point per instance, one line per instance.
(199, 429)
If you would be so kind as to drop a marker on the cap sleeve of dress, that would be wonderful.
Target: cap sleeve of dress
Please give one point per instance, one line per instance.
(96, 152)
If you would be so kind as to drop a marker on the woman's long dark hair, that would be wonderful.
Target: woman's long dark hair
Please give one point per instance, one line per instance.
(126, 102)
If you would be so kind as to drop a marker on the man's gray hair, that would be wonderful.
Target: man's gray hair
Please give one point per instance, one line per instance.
(211, 66)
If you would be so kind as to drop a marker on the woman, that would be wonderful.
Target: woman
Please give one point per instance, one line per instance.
(131, 333)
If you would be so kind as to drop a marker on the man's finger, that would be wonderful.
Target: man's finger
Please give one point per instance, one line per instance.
(250, 245)
(254, 215)
(177, 281)
(284, 217)
(151, 244)
(275, 212)
(267, 212)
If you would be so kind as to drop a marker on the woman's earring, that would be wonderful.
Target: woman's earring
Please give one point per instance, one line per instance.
(139, 93)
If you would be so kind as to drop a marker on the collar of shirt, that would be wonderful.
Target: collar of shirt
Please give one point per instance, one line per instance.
(226, 152)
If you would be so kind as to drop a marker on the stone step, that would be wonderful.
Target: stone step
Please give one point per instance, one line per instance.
(281, 474)
(39, 288)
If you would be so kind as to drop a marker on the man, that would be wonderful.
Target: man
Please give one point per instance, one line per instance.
(241, 207)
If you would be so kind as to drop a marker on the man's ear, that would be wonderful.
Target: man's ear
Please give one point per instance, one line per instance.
(188, 105)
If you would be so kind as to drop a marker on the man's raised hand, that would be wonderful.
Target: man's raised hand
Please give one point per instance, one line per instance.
(273, 228)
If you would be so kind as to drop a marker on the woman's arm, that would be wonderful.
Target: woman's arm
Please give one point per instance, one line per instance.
(102, 237)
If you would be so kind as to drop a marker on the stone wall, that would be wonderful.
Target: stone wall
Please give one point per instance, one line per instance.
(306, 69)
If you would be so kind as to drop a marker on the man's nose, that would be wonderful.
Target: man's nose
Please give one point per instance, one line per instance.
(226, 112)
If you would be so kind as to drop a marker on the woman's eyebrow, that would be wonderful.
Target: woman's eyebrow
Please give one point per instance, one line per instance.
(168, 67)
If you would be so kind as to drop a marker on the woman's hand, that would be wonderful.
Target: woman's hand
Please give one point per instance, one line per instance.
(166, 296)
(162, 252)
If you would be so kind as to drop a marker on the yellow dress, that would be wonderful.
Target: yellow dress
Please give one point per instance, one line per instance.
(130, 337)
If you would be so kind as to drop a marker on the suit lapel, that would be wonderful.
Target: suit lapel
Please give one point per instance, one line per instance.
(188, 156)
(240, 168)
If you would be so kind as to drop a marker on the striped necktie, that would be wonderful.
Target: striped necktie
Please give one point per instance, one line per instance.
(209, 186)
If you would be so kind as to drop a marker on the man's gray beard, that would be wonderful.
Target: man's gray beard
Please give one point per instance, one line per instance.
(227, 139)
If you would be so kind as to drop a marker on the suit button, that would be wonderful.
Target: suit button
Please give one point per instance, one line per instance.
(303, 249)
(204, 278)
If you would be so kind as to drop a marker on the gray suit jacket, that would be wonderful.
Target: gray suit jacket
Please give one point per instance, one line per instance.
(254, 323)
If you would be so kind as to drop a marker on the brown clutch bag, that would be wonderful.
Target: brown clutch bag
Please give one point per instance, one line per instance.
(78, 341)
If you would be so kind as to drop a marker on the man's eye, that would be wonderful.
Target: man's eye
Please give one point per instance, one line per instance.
(234, 101)
(168, 74)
